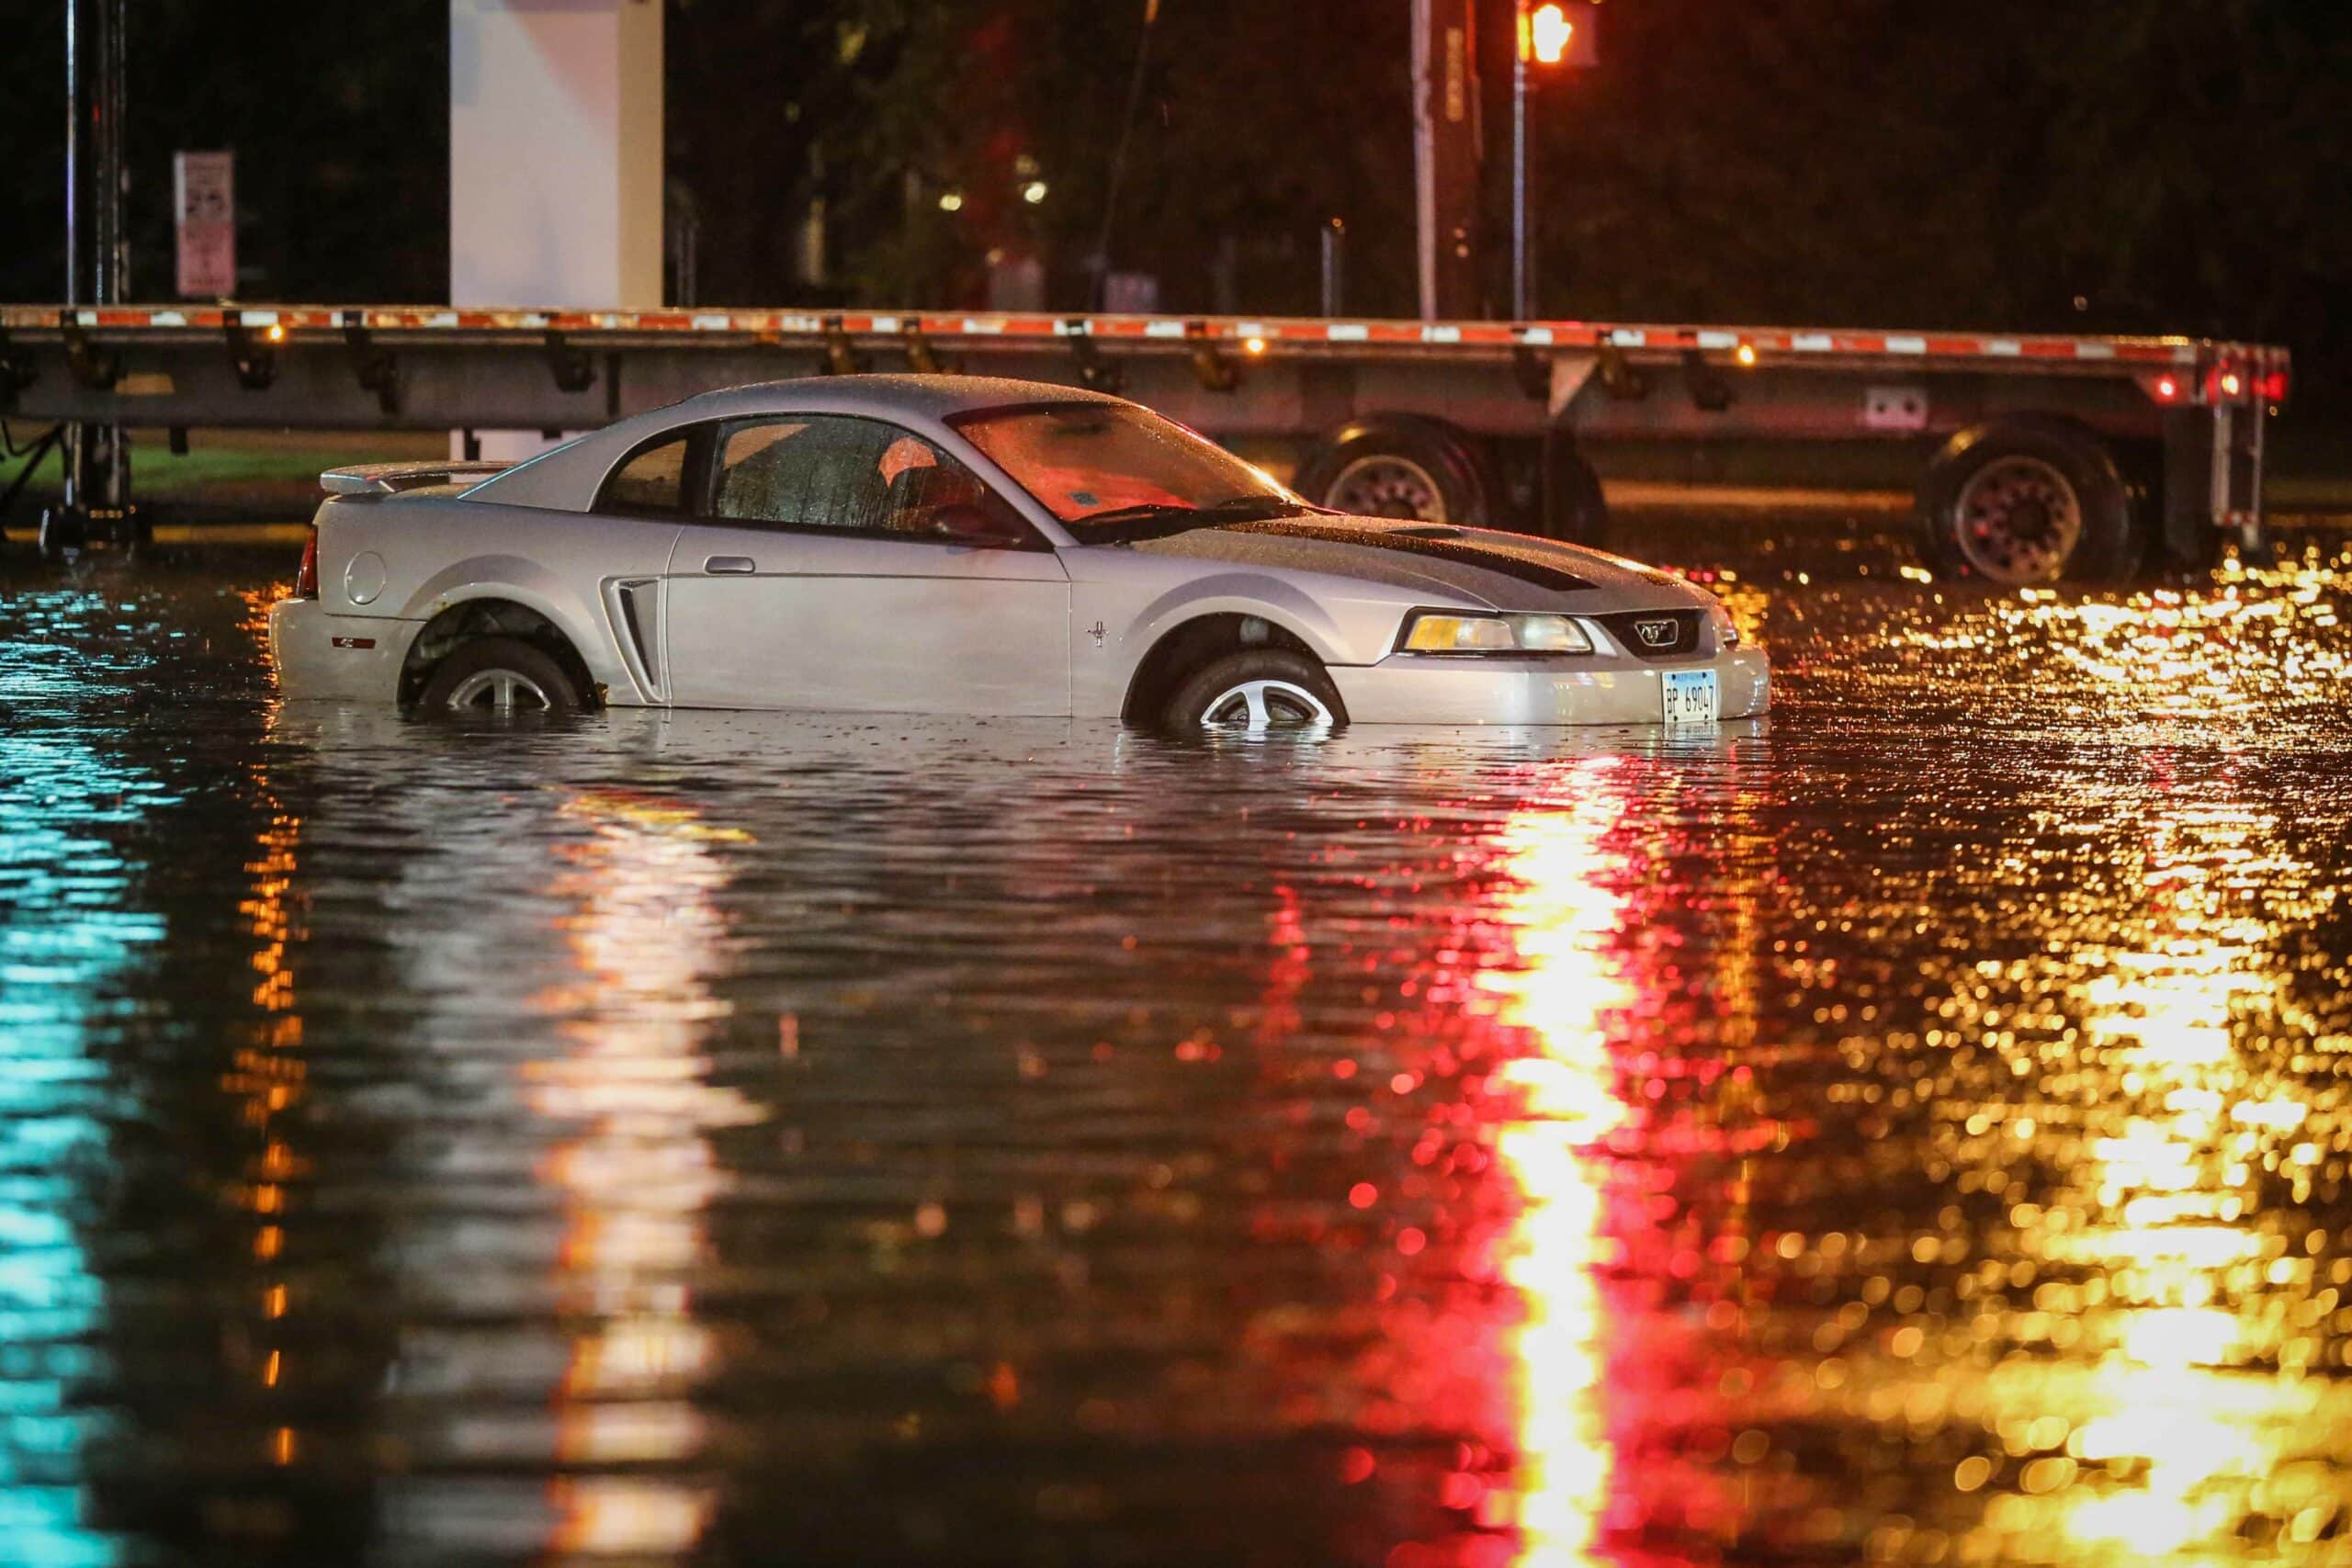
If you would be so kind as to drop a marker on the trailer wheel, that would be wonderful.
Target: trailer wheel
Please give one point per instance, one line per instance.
(2029, 499)
(1400, 465)
(1576, 510)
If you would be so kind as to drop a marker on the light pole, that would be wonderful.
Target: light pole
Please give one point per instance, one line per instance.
(1543, 35)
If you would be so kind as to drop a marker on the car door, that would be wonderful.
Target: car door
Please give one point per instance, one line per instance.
(846, 563)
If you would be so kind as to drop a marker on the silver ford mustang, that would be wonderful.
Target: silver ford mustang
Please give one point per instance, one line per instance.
(955, 544)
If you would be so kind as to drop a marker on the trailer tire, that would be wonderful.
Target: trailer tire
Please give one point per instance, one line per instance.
(2027, 500)
(1401, 465)
(1574, 509)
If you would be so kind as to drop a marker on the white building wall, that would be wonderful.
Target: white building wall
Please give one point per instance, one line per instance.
(555, 157)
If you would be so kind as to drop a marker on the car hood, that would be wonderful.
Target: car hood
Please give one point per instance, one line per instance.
(1509, 571)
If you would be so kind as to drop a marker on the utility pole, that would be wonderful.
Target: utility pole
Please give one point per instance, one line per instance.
(1522, 301)
(1550, 35)
(1445, 156)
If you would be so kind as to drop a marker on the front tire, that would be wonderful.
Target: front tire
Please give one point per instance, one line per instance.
(1256, 692)
(498, 677)
(2027, 500)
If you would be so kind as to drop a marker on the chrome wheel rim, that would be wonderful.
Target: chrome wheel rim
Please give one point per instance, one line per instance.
(2019, 520)
(499, 690)
(1258, 706)
(1385, 485)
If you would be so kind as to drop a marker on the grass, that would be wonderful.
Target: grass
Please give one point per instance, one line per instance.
(251, 475)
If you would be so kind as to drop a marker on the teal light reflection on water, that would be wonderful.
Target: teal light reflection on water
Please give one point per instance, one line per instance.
(65, 934)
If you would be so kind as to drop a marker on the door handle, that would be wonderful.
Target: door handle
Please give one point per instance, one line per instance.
(720, 566)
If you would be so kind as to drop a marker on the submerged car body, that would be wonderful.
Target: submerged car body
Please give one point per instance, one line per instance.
(957, 545)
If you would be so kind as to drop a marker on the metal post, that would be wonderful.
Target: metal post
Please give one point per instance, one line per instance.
(1446, 153)
(1522, 305)
(114, 245)
(92, 454)
(1335, 242)
(69, 455)
(72, 152)
(111, 470)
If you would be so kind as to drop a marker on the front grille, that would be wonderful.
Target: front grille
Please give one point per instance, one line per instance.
(1676, 632)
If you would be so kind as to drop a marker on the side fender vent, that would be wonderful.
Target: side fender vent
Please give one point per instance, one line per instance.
(637, 614)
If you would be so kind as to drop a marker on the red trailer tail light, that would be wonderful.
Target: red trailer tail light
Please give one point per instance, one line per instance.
(2168, 389)
(2232, 383)
(2276, 386)
(306, 577)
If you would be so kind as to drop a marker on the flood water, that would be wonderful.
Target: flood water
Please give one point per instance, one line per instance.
(1914, 1132)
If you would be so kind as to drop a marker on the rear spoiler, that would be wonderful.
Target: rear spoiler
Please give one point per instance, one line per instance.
(391, 478)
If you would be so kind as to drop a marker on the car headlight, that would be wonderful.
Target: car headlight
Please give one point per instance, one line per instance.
(1443, 633)
(1726, 629)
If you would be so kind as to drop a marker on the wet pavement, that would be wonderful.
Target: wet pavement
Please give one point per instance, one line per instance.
(1916, 1131)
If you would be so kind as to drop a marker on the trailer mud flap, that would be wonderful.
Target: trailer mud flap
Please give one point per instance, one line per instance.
(2212, 480)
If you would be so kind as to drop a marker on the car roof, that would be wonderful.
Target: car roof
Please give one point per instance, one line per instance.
(937, 397)
(568, 477)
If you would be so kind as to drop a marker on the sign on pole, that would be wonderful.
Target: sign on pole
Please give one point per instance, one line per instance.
(204, 204)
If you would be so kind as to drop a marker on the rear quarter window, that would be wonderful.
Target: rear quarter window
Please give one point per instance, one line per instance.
(653, 481)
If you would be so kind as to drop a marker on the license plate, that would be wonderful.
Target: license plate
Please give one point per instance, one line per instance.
(1690, 696)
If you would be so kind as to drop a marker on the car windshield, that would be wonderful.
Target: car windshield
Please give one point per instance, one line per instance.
(1101, 467)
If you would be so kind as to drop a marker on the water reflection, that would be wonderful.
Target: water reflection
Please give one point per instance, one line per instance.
(2157, 1250)
(1915, 1134)
(1566, 988)
(607, 1113)
(76, 929)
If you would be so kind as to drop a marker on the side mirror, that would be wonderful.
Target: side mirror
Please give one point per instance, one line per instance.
(982, 527)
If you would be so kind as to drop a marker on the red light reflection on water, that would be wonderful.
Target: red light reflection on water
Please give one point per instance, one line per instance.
(1568, 974)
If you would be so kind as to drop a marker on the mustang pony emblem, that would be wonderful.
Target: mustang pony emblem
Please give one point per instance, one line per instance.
(1655, 634)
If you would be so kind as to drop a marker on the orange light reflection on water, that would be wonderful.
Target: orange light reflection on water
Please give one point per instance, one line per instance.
(644, 935)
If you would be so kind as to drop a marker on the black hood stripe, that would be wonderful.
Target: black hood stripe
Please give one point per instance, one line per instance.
(1460, 552)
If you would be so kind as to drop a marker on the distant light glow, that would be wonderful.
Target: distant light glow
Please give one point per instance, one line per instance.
(1747, 353)
(1033, 192)
(1549, 34)
(951, 201)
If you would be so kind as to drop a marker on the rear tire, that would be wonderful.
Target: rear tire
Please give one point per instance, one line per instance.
(1256, 692)
(1402, 466)
(498, 677)
(2029, 499)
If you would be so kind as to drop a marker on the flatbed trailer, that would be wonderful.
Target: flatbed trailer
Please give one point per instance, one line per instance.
(2081, 456)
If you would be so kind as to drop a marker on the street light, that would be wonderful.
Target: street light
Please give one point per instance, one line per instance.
(1550, 35)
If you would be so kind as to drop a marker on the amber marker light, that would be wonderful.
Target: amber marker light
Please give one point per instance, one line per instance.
(1746, 353)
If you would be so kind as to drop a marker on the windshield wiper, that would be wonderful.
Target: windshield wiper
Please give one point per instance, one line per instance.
(1150, 511)
(1247, 507)
(1160, 520)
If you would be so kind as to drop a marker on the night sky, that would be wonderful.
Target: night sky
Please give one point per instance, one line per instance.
(2103, 165)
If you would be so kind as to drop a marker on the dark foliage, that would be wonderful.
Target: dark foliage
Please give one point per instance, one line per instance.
(338, 116)
(2104, 165)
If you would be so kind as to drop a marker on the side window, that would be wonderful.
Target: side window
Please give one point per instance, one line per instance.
(653, 481)
(857, 475)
